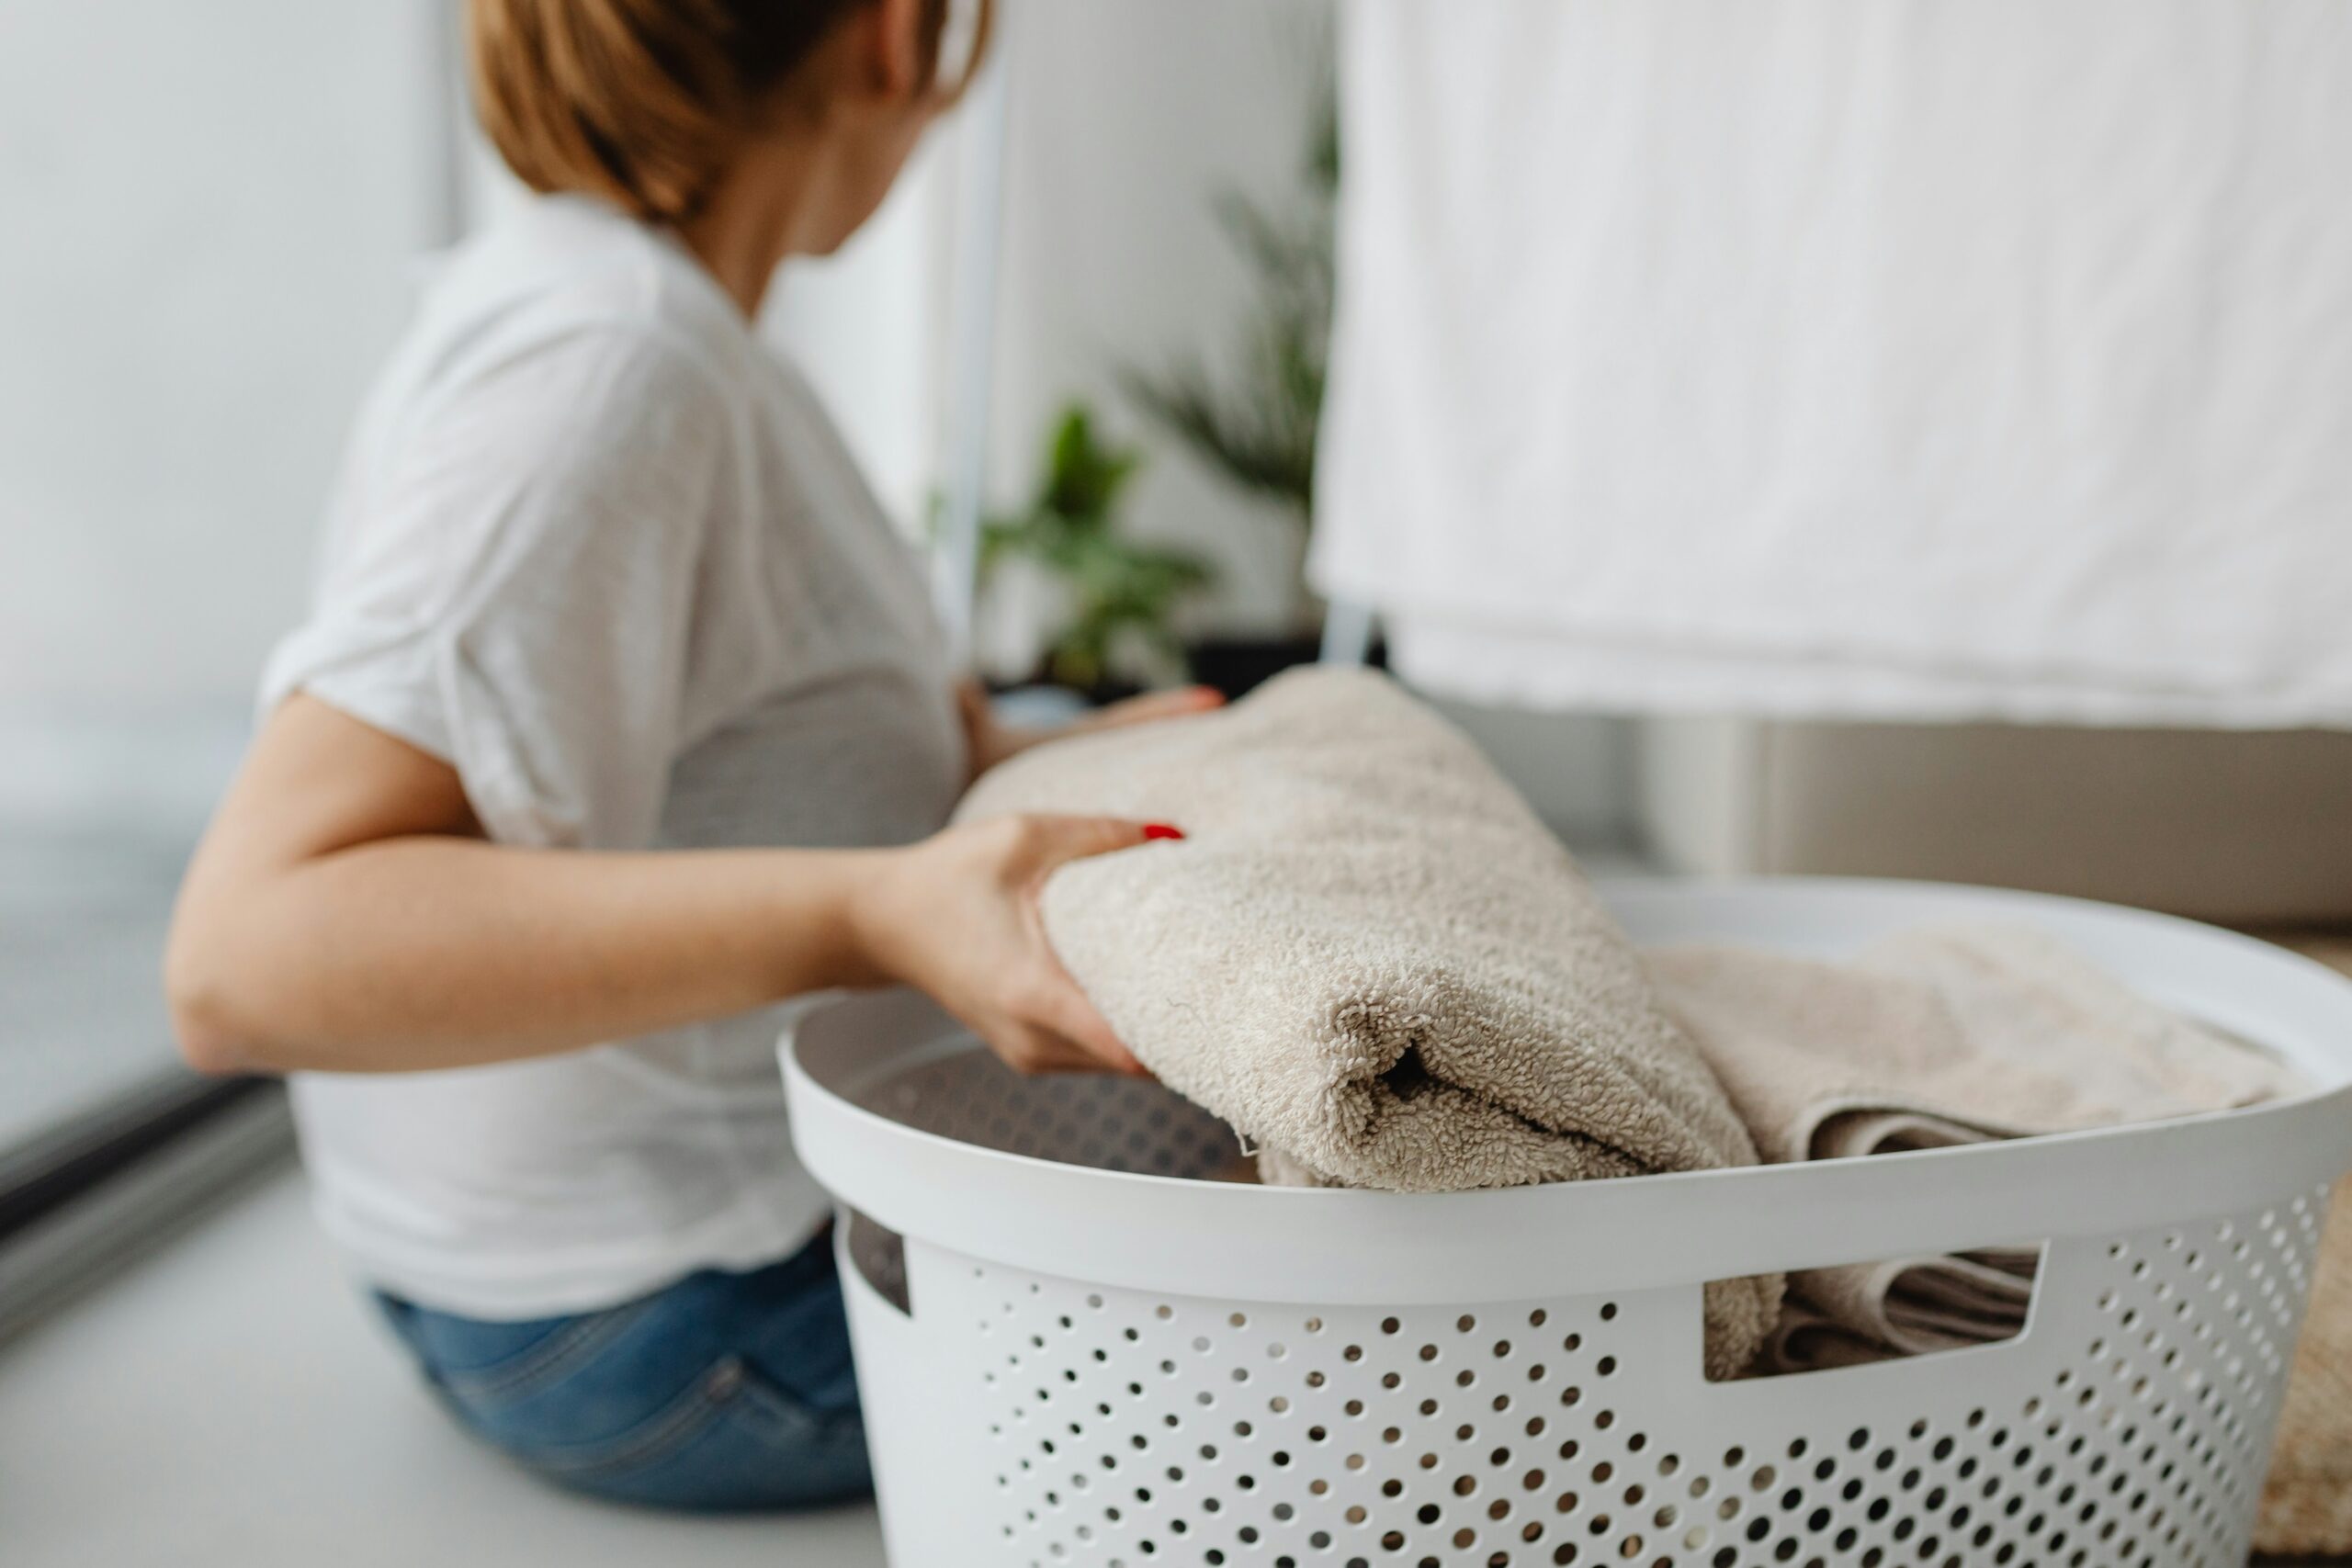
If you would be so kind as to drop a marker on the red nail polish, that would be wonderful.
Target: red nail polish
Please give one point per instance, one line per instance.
(1161, 830)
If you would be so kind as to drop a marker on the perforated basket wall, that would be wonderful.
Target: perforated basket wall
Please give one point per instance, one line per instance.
(2130, 1424)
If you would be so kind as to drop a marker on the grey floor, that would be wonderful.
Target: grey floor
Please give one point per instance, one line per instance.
(82, 921)
(228, 1401)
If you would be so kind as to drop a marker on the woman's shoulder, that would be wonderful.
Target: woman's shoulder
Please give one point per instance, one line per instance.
(567, 272)
(558, 368)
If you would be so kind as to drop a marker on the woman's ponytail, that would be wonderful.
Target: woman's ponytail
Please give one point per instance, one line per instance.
(643, 102)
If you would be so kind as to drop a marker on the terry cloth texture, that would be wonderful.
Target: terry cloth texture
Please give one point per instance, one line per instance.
(1369, 955)
(2307, 1502)
(1940, 1035)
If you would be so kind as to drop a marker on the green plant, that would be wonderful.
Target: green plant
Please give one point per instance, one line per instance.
(1260, 429)
(1123, 593)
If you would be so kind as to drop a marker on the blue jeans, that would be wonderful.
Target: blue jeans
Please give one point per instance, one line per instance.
(722, 1391)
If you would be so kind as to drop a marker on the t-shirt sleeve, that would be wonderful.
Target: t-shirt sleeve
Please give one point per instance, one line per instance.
(515, 587)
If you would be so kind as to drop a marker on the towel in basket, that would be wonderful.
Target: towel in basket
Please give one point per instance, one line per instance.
(1370, 955)
(1932, 1037)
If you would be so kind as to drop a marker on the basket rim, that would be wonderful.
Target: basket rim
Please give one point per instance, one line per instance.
(1684, 1228)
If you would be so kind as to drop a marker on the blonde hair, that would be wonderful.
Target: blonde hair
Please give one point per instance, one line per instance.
(644, 102)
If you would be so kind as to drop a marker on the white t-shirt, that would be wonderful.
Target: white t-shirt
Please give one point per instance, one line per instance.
(600, 551)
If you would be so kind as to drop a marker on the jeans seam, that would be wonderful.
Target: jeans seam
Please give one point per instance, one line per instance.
(754, 1388)
(703, 1399)
(544, 1362)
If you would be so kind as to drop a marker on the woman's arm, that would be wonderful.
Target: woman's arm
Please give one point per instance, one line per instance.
(343, 914)
(989, 742)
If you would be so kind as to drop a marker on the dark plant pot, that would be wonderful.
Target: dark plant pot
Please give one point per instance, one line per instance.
(1103, 693)
(1234, 665)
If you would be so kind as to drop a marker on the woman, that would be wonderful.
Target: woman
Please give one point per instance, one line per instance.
(607, 614)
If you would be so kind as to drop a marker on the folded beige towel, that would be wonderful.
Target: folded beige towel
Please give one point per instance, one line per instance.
(1940, 1035)
(1369, 956)
(2307, 1502)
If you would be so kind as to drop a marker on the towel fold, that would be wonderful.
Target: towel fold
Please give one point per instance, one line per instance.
(1370, 955)
(1933, 1037)
(1910, 1306)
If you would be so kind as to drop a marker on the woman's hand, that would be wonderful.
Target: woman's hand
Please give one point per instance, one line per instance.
(989, 742)
(957, 916)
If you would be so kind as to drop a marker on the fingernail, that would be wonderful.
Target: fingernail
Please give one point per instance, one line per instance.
(1163, 830)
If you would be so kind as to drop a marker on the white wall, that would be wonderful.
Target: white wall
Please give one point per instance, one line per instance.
(207, 213)
(1128, 116)
(206, 217)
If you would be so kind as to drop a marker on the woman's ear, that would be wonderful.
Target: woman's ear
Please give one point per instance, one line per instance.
(899, 56)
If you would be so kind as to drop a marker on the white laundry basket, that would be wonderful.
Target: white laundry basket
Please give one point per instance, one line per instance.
(1073, 1352)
